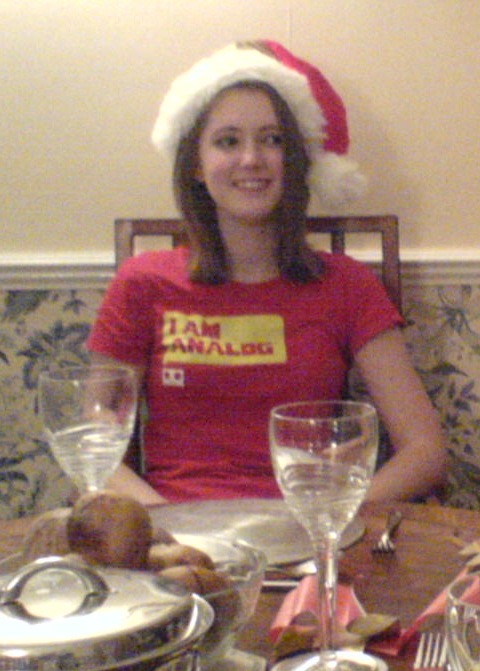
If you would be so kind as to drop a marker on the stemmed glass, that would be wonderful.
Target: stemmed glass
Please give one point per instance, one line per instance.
(88, 414)
(462, 623)
(323, 455)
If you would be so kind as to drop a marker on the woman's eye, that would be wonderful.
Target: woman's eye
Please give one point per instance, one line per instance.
(273, 139)
(226, 141)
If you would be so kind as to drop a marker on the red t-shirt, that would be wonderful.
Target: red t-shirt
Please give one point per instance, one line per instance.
(218, 358)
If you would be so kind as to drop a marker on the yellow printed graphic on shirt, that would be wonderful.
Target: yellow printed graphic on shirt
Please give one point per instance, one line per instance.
(223, 341)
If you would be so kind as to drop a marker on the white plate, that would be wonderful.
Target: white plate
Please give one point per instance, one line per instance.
(265, 523)
(353, 660)
(237, 660)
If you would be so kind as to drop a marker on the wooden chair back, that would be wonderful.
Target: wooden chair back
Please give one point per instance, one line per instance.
(338, 229)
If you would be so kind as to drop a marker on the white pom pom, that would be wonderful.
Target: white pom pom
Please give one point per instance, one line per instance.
(336, 179)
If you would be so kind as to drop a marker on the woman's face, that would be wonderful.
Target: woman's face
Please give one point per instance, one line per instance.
(241, 156)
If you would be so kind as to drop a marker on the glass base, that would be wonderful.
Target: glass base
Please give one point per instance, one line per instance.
(237, 660)
(346, 660)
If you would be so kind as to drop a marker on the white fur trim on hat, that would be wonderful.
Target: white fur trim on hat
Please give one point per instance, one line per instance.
(190, 94)
(194, 90)
(336, 180)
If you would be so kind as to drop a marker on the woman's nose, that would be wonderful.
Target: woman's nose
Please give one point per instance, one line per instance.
(251, 153)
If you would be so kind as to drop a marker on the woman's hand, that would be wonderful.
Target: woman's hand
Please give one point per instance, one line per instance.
(125, 481)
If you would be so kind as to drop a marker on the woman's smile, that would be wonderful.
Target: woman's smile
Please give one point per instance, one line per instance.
(252, 185)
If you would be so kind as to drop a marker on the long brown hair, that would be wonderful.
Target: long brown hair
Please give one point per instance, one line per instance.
(208, 260)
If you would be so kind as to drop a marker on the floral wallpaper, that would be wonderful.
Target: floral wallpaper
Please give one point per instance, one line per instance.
(444, 340)
(36, 328)
(41, 326)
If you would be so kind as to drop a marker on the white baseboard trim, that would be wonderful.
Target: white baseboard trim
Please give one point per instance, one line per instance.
(95, 273)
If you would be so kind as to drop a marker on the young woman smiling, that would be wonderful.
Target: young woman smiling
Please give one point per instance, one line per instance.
(249, 316)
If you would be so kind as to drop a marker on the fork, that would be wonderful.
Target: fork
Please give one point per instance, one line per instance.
(431, 651)
(385, 543)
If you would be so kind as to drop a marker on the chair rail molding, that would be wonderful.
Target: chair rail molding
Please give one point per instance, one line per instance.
(94, 271)
(56, 271)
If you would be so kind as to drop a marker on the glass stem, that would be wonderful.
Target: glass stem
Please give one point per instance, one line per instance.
(326, 561)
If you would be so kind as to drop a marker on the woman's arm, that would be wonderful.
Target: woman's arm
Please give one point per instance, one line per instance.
(125, 481)
(418, 465)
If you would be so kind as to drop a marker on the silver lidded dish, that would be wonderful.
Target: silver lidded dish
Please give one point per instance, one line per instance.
(57, 613)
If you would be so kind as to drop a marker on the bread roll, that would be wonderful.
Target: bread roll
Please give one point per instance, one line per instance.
(220, 592)
(162, 536)
(47, 536)
(196, 578)
(111, 530)
(163, 556)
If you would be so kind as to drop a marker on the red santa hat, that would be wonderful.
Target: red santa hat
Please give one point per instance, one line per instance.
(318, 109)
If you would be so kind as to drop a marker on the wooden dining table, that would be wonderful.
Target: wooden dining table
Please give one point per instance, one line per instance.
(402, 584)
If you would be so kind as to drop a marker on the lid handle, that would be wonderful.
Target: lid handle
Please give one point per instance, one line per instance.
(96, 589)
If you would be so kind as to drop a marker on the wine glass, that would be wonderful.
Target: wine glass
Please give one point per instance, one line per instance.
(323, 455)
(462, 623)
(88, 414)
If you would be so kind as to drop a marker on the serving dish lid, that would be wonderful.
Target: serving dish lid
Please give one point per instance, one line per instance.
(57, 613)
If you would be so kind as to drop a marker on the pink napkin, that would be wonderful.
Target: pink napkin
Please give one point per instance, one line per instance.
(303, 599)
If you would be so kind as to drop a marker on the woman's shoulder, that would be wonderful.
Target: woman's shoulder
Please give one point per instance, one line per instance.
(352, 277)
(344, 265)
(169, 264)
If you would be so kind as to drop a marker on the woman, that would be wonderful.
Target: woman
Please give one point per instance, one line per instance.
(250, 316)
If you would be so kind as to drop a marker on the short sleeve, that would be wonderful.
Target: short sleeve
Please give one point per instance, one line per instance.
(124, 329)
(368, 310)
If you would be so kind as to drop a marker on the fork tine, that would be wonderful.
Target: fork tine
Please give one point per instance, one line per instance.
(385, 544)
(436, 650)
(431, 652)
(443, 652)
(417, 664)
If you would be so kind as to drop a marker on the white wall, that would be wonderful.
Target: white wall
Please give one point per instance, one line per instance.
(81, 81)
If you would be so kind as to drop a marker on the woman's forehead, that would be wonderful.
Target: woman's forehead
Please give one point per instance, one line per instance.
(242, 106)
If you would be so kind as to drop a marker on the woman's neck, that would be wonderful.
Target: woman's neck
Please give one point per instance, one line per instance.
(251, 251)
(253, 268)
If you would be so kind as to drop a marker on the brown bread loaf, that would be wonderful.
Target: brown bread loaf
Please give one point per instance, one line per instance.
(109, 529)
(163, 556)
(47, 536)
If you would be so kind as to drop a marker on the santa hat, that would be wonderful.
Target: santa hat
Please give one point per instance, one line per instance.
(318, 109)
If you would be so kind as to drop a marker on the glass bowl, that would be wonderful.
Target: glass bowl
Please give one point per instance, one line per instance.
(245, 567)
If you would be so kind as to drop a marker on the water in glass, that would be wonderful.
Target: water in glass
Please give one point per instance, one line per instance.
(88, 414)
(88, 453)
